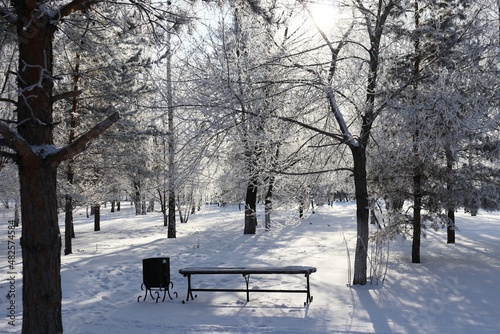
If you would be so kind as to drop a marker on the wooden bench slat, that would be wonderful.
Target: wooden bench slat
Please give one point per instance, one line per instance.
(247, 270)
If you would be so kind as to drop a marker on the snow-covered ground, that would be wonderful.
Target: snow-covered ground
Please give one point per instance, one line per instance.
(454, 290)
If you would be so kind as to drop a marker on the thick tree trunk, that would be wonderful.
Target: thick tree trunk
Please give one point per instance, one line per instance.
(37, 162)
(41, 239)
(251, 208)
(362, 215)
(41, 248)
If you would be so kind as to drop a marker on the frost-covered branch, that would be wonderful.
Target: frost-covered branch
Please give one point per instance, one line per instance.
(74, 6)
(15, 141)
(66, 95)
(81, 143)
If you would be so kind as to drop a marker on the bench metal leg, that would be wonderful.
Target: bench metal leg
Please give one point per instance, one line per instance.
(247, 280)
(309, 298)
(189, 292)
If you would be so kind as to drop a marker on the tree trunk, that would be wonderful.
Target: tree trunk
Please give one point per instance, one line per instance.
(251, 208)
(41, 239)
(16, 214)
(69, 231)
(172, 173)
(269, 204)
(301, 209)
(417, 208)
(162, 196)
(68, 224)
(362, 215)
(451, 227)
(97, 218)
(38, 161)
(41, 248)
(417, 191)
(171, 233)
(137, 197)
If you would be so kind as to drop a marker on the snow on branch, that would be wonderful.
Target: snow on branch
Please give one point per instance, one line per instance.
(74, 6)
(344, 128)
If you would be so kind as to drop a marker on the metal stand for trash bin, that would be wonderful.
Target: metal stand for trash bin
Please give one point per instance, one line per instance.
(156, 276)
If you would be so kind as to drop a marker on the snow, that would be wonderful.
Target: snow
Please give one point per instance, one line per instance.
(454, 289)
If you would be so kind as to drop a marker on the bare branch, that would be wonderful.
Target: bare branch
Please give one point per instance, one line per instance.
(314, 172)
(66, 95)
(81, 143)
(15, 141)
(74, 6)
(9, 155)
(8, 16)
(8, 100)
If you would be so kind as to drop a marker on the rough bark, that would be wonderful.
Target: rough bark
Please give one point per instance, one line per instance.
(362, 215)
(41, 247)
(41, 240)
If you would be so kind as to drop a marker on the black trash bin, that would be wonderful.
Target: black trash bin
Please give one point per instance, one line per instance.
(156, 276)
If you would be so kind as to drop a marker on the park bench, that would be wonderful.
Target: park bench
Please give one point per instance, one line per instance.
(246, 272)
